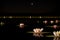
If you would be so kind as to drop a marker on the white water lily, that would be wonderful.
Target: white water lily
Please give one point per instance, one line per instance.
(56, 33)
(38, 30)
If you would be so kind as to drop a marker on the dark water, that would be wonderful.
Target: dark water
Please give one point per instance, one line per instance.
(29, 36)
(25, 36)
(11, 30)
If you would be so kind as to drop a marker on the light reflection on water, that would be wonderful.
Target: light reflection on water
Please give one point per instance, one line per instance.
(56, 38)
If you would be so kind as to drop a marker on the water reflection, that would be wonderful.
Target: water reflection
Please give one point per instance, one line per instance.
(56, 38)
(37, 35)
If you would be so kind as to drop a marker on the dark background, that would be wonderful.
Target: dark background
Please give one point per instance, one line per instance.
(22, 7)
(25, 7)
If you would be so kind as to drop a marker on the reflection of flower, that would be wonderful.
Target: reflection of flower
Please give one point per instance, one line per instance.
(56, 33)
(37, 35)
(56, 38)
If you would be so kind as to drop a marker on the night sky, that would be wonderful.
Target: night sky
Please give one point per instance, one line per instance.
(30, 6)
